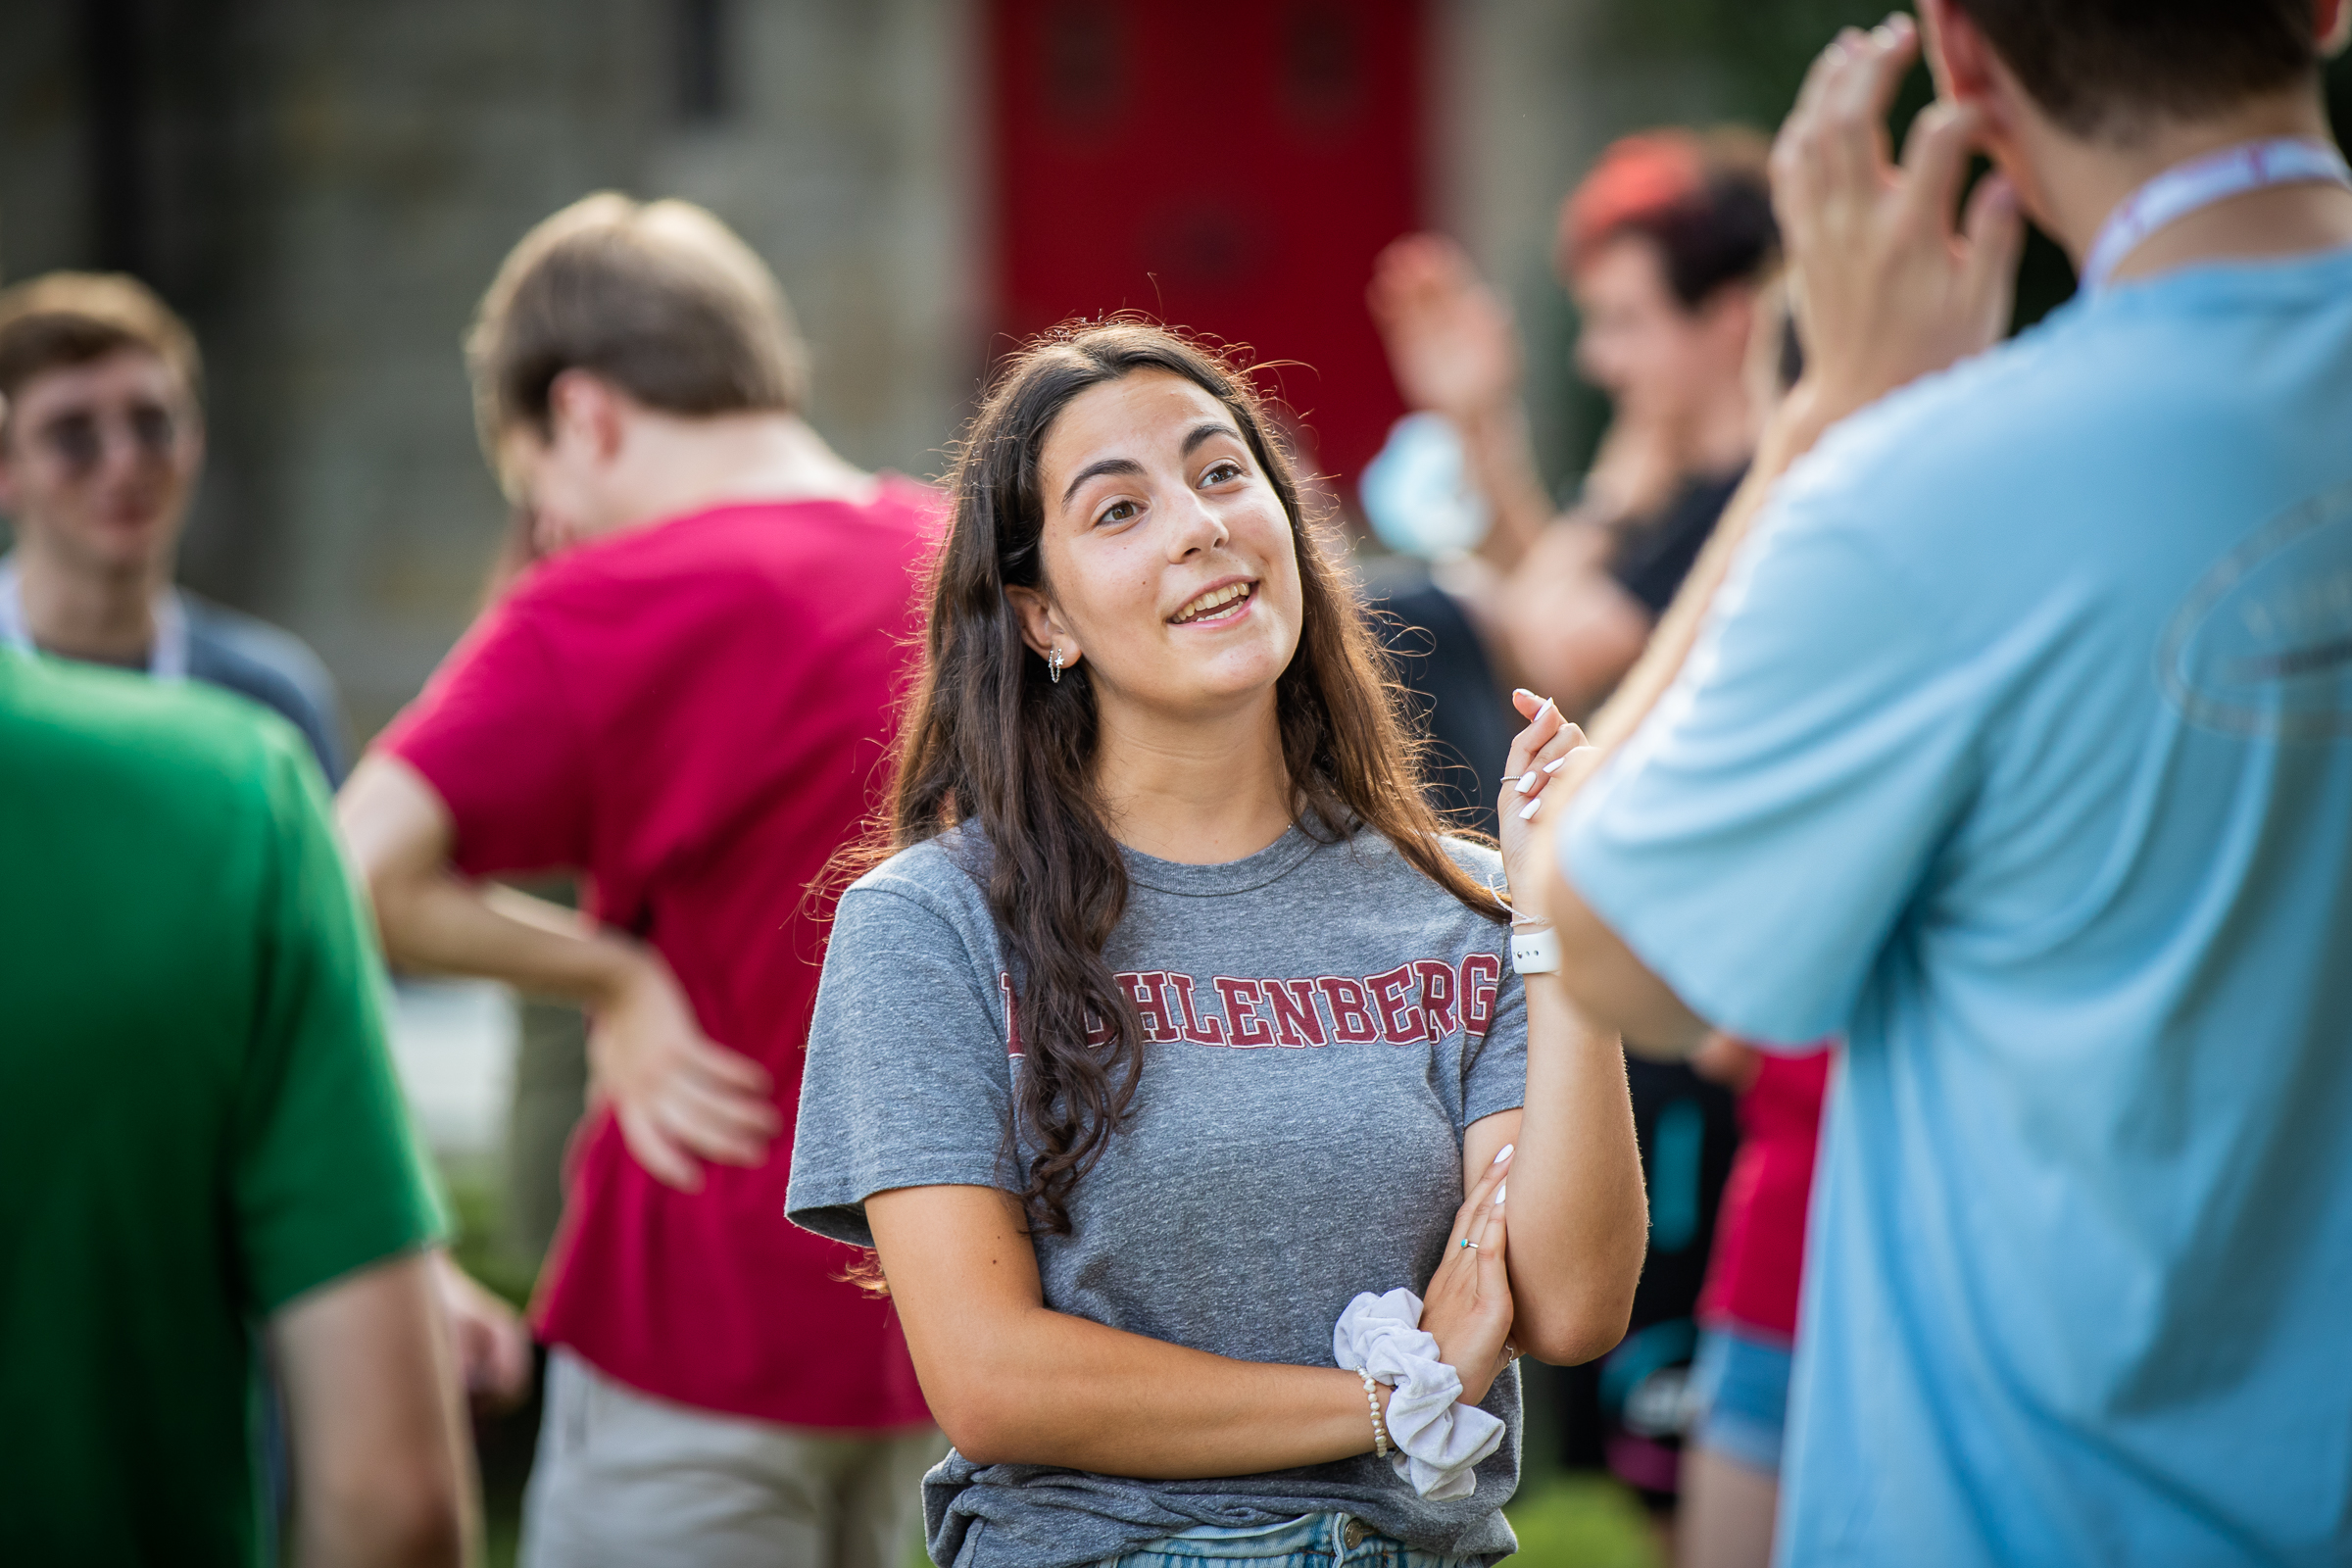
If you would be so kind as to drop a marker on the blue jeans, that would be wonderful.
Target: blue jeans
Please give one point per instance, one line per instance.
(1314, 1540)
(1739, 1386)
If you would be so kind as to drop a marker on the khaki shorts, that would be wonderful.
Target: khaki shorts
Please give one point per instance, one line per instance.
(622, 1478)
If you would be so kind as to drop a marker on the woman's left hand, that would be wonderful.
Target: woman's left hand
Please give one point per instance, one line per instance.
(1548, 760)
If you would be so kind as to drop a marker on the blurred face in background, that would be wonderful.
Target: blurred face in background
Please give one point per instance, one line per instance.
(1660, 363)
(98, 462)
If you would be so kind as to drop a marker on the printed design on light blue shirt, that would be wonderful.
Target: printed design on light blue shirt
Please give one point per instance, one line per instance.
(2263, 646)
(1419, 1002)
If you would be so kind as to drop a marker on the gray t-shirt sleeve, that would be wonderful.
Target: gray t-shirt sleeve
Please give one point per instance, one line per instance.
(907, 1080)
(1494, 1075)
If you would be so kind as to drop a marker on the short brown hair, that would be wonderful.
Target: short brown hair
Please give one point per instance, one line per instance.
(61, 320)
(661, 299)
(2109, 67)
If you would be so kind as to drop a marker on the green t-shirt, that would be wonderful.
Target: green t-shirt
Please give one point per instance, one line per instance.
(198, 1117)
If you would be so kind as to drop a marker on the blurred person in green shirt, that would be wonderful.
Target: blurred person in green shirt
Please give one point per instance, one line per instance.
(204, 1158)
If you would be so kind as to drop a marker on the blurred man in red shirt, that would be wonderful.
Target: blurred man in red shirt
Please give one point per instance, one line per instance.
(685, 701)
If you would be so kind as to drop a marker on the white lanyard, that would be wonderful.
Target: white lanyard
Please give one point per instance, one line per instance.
(168, 660)
(2189, 187)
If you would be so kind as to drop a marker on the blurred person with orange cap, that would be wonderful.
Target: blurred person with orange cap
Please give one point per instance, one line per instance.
(1664, 247)
(1668, 247)
(682, 695)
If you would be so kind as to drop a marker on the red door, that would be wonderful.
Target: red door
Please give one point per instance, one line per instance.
(1227, 165)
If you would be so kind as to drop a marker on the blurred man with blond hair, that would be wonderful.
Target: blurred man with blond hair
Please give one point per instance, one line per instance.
(684, 700)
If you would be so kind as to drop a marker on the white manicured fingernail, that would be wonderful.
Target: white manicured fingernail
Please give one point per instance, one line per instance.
(1504, 1152)
(1499, 1192)
(1556, 763)
(1527, 780)
(1529, 809)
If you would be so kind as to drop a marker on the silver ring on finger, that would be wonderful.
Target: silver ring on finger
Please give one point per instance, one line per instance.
(1468, 1243)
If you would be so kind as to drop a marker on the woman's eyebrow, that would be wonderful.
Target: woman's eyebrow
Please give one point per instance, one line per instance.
(1095, 470)
(1204, 431)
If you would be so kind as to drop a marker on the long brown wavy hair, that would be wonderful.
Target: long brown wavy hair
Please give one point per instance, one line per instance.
(990, 740)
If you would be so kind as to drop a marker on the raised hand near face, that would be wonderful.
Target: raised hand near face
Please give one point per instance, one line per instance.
(1451, 345)
(1886, 288)
(1547, 759)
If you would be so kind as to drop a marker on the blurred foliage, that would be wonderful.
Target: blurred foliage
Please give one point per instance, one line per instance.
(476, 1195)
(1760, 47)
(1580, 1521)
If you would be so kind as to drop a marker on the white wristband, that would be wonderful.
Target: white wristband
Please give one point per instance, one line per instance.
(1534, 950)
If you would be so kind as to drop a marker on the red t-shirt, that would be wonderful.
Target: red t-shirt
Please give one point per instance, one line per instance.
(696, 715)
(1759, 1254)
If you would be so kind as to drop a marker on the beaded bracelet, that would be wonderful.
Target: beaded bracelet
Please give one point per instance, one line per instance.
(1380, 1431)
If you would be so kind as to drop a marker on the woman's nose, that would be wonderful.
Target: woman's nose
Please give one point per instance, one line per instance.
(1200, 526)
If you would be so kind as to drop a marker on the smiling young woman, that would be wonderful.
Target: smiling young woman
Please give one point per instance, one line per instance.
(1174, 1032)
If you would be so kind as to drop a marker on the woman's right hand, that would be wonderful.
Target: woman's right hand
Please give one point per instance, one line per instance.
(1467, 1306)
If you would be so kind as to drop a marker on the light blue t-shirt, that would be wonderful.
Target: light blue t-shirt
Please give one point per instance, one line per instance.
(2020, 749)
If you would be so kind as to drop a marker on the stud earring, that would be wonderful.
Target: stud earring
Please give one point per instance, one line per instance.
(1054, 664)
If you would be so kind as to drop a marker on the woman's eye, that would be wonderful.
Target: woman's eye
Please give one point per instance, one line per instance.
(1117, 511)
(1221, 471)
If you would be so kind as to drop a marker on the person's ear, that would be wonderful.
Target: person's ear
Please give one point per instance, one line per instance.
(584, 411)
(1041, 626)
(1731, 317)
(1958, 57)
(1969, 71)
(2331, 24)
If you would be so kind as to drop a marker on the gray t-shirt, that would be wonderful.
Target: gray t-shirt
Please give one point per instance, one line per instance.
(1323, 1022)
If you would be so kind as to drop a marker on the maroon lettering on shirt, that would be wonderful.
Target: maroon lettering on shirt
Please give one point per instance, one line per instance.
(1296, 1022)
(1402, 1020)
(1420, 1000)
(1437, 993)
(1240, 998)
(1200, 1030)
(1482, 977)
(1013, 1015)
(1351, 1020)
(1146, 988)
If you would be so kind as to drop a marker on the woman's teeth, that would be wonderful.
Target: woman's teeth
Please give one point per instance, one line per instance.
(1209, 603)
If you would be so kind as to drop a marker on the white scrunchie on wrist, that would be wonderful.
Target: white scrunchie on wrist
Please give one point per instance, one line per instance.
(1438, 1439)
